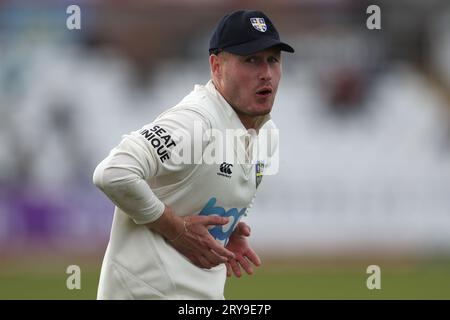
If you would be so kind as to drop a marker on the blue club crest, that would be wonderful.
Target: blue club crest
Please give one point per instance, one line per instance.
(259, 170)
(259, 24)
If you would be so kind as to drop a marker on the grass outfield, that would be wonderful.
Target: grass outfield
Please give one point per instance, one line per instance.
(297, 279)
(319, 280)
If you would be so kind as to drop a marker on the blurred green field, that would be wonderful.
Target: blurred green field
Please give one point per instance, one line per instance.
(45, 278)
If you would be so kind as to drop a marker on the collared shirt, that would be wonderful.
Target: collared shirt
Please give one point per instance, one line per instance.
(183, 159)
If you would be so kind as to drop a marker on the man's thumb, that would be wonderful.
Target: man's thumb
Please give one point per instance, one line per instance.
(244, 229)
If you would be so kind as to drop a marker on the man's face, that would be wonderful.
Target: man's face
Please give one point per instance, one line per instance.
(248, 83)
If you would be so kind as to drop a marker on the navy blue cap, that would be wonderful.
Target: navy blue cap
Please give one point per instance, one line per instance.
(245, 32)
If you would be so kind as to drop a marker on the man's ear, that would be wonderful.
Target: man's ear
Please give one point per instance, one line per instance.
(214, 62)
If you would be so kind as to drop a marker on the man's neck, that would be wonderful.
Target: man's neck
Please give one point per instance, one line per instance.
(249, 122)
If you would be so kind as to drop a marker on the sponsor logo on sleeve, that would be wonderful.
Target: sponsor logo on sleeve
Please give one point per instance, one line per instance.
(160, 140)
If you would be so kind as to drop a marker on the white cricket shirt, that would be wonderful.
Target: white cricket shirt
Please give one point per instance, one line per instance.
(147, 170)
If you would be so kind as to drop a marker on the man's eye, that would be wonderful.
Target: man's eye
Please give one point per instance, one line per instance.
(273, 59)
(251, 59)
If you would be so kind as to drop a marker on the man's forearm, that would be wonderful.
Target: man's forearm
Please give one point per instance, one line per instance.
(169, 225)
(127, 190)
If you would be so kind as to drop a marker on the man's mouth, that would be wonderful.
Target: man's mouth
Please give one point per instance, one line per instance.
(264, 92)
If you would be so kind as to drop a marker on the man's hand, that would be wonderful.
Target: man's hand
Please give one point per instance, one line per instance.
(238, 244)
(190, 236)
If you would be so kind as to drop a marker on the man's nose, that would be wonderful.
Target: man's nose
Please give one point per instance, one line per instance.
(265, 72)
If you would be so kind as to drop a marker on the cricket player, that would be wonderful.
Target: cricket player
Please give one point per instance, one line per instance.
(176, 232)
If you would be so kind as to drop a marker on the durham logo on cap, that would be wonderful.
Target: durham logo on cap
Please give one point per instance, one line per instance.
(259, 24)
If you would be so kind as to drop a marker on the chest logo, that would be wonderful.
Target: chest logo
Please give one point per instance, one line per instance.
(225, 170)
(222, 233)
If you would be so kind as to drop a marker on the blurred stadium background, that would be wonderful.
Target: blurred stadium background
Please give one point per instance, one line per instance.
(364, 118)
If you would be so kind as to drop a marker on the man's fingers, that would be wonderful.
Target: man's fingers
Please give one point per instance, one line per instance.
(221, 251)
(214, 258)
(204, 262)
(215, 220)
(228, 269)
(194, 260)
(246, 265)
(235, 267)
(253, 257)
